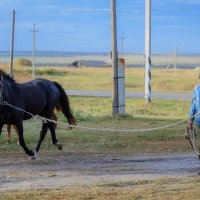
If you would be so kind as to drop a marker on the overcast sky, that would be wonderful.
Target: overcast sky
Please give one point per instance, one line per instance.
(84, 25)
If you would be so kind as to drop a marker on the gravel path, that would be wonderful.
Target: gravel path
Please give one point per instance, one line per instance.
(66, 169)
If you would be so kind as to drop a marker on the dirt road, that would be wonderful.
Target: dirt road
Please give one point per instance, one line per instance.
(66, 169)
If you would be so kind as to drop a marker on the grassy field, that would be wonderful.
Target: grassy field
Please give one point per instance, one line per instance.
(87, 78)
(96, 113)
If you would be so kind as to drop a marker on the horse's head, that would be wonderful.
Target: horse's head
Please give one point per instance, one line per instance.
(5, 76)
(5, 81)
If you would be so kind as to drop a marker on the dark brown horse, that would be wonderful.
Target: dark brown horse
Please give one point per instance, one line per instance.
(22, 101)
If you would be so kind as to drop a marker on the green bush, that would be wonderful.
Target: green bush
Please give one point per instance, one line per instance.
(23, 62)
(50, 72)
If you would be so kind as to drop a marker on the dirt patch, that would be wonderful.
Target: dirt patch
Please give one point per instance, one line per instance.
(67, 169)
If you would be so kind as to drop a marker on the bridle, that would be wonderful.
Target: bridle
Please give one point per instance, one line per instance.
(2, 100)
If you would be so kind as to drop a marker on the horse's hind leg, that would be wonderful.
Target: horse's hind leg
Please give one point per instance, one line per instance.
(19, 127)
(9, 132)
(53, 135)
(42, 136)
(1, 126)
(16, 132)
(53, 117)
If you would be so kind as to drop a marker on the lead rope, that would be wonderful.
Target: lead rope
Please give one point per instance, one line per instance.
(5, 103)
(191, 135)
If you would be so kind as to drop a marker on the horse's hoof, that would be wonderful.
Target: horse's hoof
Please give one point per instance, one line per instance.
(59, 146)
(33, 157)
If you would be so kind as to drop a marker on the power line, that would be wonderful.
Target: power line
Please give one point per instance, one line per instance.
(64, 12)
(98, 11)
(176, 10)
(161, 10)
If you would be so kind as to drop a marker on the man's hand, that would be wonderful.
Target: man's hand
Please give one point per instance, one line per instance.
(190, 123)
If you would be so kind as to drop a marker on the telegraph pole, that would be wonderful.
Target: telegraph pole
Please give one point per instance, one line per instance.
(33, 51)
(175, 57)
(114, 55)
(122, 38)
(147, 94)
(12, 43)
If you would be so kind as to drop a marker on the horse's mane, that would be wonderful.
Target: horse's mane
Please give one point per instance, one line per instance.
(6, 76)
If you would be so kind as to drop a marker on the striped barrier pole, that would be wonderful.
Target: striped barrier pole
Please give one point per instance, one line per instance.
(147, 94)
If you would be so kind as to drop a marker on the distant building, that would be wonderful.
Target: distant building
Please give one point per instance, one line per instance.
(88, 63)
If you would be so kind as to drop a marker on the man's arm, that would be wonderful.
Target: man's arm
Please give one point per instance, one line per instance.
(192, 110)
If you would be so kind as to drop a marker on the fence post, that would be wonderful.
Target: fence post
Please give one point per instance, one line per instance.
(121, 86)
(114, 57)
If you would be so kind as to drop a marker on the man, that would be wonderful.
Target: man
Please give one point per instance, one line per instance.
(195, 109)
(193, 129)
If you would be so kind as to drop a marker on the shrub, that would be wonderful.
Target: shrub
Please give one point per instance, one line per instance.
(50, 71)
(23, 62)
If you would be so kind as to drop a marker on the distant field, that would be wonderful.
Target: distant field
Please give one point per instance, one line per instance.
(90, 78)
(132, 60)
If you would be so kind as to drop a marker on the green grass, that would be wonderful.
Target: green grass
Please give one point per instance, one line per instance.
(97, 112)
(94, 112)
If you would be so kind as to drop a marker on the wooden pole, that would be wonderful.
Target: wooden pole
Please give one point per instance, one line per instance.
(33, 51)
(175, 57)
(12, 43)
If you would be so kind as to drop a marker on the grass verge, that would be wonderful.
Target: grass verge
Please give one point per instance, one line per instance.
(165, 188)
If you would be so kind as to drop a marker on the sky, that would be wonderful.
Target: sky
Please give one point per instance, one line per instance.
(84, 25)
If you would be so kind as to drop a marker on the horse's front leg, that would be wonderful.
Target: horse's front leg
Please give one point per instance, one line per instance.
(19, 127)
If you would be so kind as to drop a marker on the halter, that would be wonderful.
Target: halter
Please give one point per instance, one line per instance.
(2, 100)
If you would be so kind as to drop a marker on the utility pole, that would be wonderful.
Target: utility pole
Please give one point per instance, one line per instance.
(12, 43)
(33, 51)
(147, 94)
(114, 55)
(175, 57)
(122, 38)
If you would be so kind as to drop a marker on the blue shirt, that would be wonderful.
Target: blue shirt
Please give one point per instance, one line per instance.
(195, 105)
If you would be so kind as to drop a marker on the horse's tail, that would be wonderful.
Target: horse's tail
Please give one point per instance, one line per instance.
(64, 105)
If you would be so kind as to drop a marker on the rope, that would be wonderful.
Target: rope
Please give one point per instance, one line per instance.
(191, 134)
(91, 128)
(45, 120)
